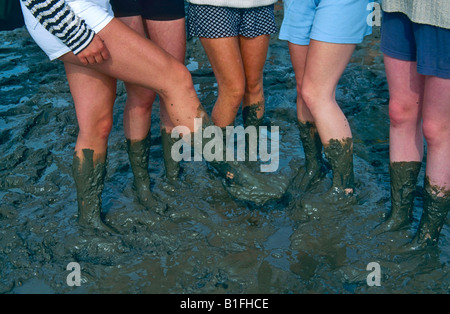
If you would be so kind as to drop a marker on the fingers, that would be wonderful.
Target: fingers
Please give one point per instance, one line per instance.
(95, 53)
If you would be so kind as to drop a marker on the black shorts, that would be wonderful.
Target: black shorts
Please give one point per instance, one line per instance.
(158, 10)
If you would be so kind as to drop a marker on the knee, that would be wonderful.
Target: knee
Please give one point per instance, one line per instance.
(254, 87)
(402, 113)
(140, 103)
(232, 93)
(96, 129)
(434, 132)
(310, 95)
(103, 128)
(183, 78)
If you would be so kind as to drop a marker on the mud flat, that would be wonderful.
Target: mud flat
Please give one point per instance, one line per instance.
(208, 242)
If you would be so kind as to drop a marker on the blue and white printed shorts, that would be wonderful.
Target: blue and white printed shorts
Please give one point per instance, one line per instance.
(218, 22)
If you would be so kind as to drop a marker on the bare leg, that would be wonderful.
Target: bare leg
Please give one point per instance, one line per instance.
(406, 139)
(325, 64)
(312, 146)
(405, 110)
(298, 55)
(436, 117)
(93, 94)
(170, 36)
(137, 60)
(436, 196)
(254, 54)
(226, 61)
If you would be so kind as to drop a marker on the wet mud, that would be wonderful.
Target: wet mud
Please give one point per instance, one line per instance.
(207, 241)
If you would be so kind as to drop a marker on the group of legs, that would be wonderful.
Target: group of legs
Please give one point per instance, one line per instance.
(419, 108)
(155, 67)
(121, 51)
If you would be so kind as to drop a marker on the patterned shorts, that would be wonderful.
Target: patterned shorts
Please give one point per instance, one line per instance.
(217, 22)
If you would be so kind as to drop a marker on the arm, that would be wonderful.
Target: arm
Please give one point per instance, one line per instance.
(59, 19)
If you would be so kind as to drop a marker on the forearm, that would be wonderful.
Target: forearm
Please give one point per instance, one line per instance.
(59, 19)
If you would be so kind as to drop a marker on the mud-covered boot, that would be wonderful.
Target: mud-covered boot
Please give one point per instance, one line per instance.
(172, 167)
(315, 168)
(242, 182)
(340, 156)
(436, 204)
(138, 153)
(89, 179)
(250, 115)
(403, 186)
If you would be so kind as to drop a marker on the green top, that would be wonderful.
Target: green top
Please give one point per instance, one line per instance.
(431, 12)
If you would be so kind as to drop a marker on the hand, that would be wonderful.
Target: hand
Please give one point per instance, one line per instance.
(95, 52)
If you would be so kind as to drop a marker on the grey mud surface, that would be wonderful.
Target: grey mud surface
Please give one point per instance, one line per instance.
(208, 242)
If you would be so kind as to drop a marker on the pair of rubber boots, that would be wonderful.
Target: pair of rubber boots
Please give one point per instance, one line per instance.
(338, 158)
(89, 176)
(240, 181)
(436, 204)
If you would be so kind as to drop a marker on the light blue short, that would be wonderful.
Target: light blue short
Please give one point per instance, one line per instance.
(333, 21)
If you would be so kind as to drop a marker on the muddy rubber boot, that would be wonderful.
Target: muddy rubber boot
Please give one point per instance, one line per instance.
(250, 115)
(172, 167)
(242, 182)
(340, 156)
(403, 185)
(436, 204)
(138, 154)
(315, 168)
(89, 181)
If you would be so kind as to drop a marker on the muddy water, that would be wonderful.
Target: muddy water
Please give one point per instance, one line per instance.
(207, 242)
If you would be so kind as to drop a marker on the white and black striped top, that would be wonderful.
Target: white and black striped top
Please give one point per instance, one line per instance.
(59, 19)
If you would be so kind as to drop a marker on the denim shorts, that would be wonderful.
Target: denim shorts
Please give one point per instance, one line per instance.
(96, 13)
(333, 21)
(218, 22)
(157, 10)
(427, 45)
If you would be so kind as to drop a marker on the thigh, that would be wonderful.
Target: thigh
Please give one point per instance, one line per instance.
(134, 59)
(298, 55)
(169, 35)
(406, 85)
(226, 60)
(436, 103)
(93, 94)
(325, 64)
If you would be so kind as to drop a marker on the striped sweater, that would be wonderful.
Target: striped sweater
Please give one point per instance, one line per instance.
(58, 18)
